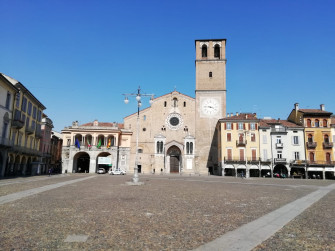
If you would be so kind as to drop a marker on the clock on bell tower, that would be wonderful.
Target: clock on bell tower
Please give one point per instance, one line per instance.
(210, 95)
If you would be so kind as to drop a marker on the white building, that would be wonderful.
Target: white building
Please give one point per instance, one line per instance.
(283, 143)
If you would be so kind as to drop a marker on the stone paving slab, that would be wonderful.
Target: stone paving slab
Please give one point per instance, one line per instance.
(169, 213)
(8, 186)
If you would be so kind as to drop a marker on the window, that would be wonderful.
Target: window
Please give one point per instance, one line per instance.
(279, 155)
(140, 150)
(144, 129)
(311, 157)
(317, 123)
(189, 147)
(175, 102)
(8, 100)
(164, 103)
(309, 123)
(34, 112)
(27, 122)
(295, 140)
(296, 156)
(265, 154)
(210, 74)
(18, 100)
(328, 159)
(39, 116)
(24, 104)
(252, 126)
(325, 124)
(264, 139)
(310, 138)
(253, 154)
(184, 104)
(144, 117)
(4, 130)
(29, 108)
(241, 154)
(33, 124)
(217, 51)
(204, 51)
(240, 126)
(253, 137)
(228, 124)
(159, 147)
(229, 154)
(228, 137)
(326, 138)
(278, 140)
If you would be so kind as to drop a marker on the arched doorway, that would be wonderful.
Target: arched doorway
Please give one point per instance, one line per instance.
(175, 159)
(81, 163)
(280, 170)
(104, 165)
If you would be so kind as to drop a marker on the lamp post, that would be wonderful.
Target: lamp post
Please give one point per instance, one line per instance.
(138, 96)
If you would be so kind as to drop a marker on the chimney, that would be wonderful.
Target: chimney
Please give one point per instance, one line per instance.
(228, 115)
(231, 114)
(322, 107)
(296, 106)
(236, 113)
(246, 116)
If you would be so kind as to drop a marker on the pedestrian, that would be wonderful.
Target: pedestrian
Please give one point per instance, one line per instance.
(154, 171)
(161, 170)
(49, 171)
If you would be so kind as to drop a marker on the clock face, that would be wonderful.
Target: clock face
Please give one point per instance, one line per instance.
(210, 106)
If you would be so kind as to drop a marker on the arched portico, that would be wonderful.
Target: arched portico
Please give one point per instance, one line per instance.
(281, 170)
(81, 162)
(103, 165)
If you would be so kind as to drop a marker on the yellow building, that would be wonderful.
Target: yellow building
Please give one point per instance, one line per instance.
(25, 133)
(239, 145)
(318, 139)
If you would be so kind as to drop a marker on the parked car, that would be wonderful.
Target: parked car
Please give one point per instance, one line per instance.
(101, 171)
(117, 171)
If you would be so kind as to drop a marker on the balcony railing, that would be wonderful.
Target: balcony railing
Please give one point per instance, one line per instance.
(30, 130)
(327, 145)
(26, 150)
(278, 129)
(242, 142)
(280, 160)
(279, 145)
(322, 163)
(310, 144)
(17, 122)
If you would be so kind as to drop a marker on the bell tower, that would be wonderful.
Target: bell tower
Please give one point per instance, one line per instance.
(210, 94)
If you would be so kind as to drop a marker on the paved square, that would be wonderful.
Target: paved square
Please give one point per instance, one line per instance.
(166, 213)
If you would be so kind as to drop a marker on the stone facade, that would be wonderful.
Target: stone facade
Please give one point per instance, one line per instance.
(210, 92)
(166, 138)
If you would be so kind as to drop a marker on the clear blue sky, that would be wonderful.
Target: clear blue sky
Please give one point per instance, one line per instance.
(78, 57)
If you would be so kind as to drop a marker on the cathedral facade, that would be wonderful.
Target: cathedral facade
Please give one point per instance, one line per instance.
(177, 133)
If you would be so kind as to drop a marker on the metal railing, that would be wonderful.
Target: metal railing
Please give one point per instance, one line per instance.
(310, 144)
(327, 145)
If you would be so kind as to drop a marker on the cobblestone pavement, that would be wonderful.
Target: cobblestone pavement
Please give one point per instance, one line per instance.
(167, 213)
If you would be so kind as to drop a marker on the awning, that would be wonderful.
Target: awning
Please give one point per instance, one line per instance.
(254, 167)
(319, 169)
(241, 167)
(265, 168)
(229, 166)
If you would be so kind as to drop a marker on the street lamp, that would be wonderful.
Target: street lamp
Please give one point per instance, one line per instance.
(139, 103)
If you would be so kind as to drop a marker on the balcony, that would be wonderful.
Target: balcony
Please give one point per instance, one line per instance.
(17, 122)
(241, 142)
(280, 160)
(279, 145)
(321, 163)
(299, 162)
(278, 130)
(327, 145)
(30, 130)
(310, 144)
